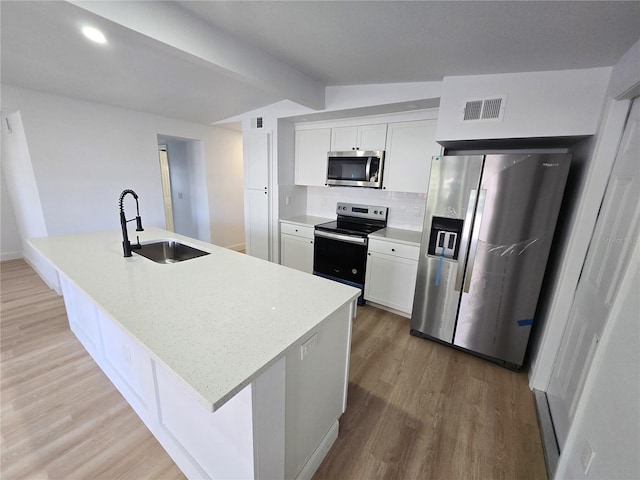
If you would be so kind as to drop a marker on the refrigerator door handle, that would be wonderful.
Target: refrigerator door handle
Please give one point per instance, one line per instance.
(464, 241)
(474, 239)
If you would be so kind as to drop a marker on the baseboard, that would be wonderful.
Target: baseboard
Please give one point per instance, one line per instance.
(547, 433)
(388, 309)
(238, 248)
(4, 256)
(45, 270)
(318, 455)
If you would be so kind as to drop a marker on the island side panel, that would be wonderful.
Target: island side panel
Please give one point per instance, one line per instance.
(82, 316)
(268, 395)
(204, 444)
(218, 444)
(317, 371)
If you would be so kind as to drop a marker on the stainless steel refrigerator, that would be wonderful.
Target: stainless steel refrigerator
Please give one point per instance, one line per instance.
(488, 230)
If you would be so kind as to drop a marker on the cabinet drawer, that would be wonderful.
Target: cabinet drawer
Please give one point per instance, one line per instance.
(410, 252)
(298, 230)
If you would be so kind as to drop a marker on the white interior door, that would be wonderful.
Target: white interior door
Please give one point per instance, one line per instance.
(166, 188)
(610, 251)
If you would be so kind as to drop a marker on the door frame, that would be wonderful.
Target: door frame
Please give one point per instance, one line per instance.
(608, 140)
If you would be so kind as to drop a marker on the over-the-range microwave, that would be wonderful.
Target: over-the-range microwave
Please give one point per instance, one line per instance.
(357, 168)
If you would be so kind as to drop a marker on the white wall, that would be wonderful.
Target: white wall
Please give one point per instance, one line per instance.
(200, 199)
(10, 240)
(84, 154)
(538, 104)
(226, 188)
(25, 198)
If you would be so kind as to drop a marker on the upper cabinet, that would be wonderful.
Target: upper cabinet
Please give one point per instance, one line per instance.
(312, 147)
(362, 137)
(410, 146)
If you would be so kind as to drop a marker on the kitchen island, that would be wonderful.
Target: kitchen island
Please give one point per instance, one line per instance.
(239, 367)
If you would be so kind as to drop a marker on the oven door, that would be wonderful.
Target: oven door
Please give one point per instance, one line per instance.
(340, 257)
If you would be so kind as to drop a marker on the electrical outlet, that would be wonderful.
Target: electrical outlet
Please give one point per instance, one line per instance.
(307, 346)
(586, 457)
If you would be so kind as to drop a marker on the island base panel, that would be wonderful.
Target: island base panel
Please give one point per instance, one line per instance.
(245, 437)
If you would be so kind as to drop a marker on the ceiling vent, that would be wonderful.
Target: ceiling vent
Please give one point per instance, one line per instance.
(483, 109)
(256, 122)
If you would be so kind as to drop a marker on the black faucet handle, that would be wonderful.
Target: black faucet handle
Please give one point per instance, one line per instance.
(139, 224)
(136, 246)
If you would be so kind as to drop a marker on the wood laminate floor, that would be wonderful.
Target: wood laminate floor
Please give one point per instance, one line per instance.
(416, 409)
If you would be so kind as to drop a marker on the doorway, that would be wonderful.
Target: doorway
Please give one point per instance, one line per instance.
(166, 187)
(184, 186)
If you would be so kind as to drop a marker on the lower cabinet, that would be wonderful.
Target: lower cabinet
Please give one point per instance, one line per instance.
(296, 244)
(391, 274)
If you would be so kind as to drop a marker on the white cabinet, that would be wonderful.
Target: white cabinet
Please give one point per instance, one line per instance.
(362, 137)
(391, 274)
(311, 148)
(256, 194)
(256, 160)
(256, 211)
(296, 244)
(410, 146)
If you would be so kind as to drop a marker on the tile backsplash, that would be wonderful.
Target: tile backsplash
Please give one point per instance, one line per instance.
(406, 210)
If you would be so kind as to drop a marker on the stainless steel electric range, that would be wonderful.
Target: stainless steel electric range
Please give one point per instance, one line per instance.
(340, 247)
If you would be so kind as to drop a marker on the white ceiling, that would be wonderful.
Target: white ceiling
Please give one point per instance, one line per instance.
(207, 61)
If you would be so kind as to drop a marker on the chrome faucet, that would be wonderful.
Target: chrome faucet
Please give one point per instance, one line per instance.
(126, 244)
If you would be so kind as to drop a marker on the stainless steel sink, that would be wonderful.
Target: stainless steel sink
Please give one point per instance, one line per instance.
(169, 251)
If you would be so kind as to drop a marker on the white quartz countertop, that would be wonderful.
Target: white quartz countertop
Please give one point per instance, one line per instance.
(308, 220)
(216, 321)
(399, 235)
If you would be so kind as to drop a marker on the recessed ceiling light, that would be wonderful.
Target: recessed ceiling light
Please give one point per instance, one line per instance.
(94, 34)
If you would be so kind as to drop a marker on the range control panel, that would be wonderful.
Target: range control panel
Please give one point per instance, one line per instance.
(362, 211)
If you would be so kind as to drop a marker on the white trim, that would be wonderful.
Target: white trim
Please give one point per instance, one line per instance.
(318, 455)
(14, 255)
(238, 247)
(412, 115)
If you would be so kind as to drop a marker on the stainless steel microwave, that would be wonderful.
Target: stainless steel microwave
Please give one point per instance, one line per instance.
(357, 168)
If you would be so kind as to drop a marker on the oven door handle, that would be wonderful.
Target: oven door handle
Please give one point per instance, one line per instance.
(342, 238)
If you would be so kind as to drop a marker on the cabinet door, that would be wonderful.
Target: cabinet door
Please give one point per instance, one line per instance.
(257, 223)
(363, 137)
(256, 160)
(311, 151)
(344, 138)
(372, 137)
(410, 147)
(297, 252)
(391, 281)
